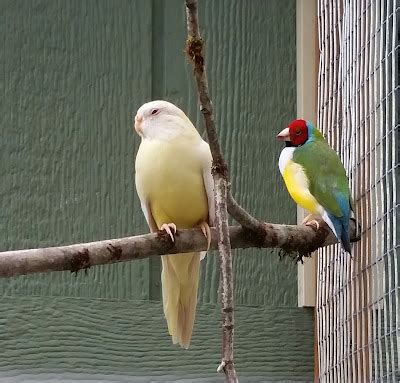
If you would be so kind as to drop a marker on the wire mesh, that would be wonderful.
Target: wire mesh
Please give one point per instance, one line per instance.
(358, 298)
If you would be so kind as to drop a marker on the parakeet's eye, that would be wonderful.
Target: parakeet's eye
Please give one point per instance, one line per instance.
(154, 112)
(298, 132)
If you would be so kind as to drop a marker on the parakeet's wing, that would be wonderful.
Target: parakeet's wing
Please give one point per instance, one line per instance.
(206, 161)
(149, 217)
(328, 182)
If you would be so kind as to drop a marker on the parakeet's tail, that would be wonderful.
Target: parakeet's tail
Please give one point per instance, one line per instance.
(180, 280)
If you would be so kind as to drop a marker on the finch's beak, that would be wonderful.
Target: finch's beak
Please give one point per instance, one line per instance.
(138, 125)
(284, 135)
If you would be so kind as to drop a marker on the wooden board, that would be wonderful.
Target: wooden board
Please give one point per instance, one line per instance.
(129, 338)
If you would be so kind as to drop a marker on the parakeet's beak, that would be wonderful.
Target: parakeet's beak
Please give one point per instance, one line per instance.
(284, 135)
(138, 125)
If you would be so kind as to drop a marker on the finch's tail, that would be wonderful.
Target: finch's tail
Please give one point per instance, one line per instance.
(340, 227)
(345, 240)
(180, 280)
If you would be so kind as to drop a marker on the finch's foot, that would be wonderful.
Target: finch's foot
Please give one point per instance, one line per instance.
(311, 222)
(167, 227)
(207, 233)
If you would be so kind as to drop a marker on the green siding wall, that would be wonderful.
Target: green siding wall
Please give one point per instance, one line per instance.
(106, 337)
(74, 74)
(71, 82)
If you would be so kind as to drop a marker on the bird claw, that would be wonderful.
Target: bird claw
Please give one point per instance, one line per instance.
(205, 229)
(313, 223)
(167, 227)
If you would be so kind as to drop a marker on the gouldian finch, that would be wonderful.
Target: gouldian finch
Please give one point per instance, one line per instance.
(315, 177)
(175, 187)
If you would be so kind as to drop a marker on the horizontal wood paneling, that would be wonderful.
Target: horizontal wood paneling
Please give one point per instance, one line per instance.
(94, 336)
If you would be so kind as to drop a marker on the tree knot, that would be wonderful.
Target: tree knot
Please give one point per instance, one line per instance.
(194, 50)
(115, 251)
(80, 261)
(219, 167)
(191, 5)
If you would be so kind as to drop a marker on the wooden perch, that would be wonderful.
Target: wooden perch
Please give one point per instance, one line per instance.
(82, 256)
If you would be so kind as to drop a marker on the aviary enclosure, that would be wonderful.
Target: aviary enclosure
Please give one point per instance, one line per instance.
(358, 304)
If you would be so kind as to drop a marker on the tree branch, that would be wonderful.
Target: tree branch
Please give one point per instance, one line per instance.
(194, 49)
(85, 255)
(242, 216)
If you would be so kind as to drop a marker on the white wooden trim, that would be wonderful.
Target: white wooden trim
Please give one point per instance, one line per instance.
(307, 82)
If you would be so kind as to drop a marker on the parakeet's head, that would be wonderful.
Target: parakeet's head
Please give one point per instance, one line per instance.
(162, 120)
(297, 133)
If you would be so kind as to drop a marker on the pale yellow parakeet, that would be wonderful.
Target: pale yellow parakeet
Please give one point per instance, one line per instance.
(175, 187)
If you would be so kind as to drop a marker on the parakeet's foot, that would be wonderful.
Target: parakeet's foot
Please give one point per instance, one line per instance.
(207, 233)
(167, 227)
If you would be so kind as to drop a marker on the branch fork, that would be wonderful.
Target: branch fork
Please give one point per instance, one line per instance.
(194, 49)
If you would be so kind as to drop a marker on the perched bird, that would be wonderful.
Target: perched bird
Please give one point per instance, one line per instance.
(175, 186)
(315, 177)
